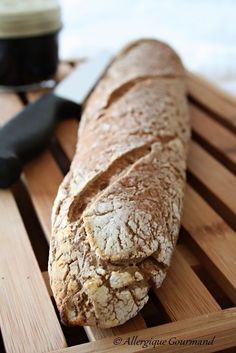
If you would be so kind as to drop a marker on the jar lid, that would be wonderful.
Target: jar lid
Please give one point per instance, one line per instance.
(24, 18)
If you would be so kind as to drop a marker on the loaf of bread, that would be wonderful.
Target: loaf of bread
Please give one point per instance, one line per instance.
(117, 214)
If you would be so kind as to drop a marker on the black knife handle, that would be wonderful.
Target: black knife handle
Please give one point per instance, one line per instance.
(29, 132)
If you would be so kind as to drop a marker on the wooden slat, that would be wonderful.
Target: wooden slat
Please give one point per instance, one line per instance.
(42, 178)
(222, 325)
(213, 98)
(95, 333)
(214, 237)
(43, 186)
(182, 294)
(213, 175)
(215, 134)
(28, 320)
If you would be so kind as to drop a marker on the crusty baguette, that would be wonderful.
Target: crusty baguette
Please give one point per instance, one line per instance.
(117, 214)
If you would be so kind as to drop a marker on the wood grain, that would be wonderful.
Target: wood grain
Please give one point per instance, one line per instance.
(27, 317)
(42, 177)
(218, 101)
(214, 237)
(222, 325)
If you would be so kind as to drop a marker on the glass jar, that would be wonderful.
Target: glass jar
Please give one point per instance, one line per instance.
(28, 42)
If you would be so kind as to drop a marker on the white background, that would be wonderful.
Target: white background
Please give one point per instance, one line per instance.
(202, 31)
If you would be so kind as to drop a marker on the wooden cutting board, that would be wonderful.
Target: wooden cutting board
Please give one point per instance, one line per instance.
(198, 297)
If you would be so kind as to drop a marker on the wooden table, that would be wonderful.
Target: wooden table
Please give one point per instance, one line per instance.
(198, 298)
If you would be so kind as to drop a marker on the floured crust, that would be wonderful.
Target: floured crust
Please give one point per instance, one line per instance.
(117, 214)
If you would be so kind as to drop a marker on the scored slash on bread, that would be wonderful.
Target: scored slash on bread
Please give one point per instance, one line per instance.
(117, 214)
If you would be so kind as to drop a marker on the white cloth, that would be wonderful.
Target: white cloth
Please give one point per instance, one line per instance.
(203, 32)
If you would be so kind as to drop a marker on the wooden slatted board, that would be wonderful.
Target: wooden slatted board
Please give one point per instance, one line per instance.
(198, 297)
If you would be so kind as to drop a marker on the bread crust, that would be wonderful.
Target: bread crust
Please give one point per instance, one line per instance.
(116, 217)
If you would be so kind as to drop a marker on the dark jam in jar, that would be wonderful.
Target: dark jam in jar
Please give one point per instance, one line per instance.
(27, 61)
(28, 42)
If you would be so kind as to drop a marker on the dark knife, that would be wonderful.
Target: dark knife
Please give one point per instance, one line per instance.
(29, 131)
